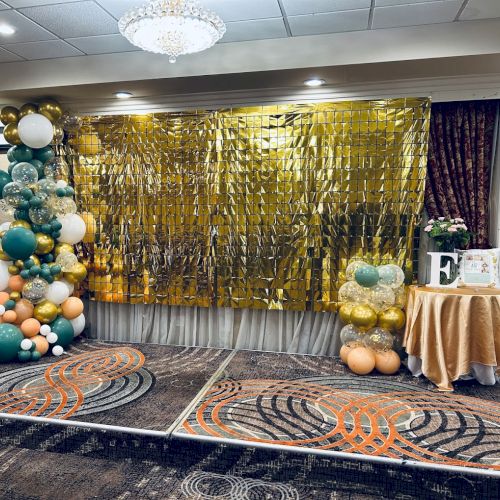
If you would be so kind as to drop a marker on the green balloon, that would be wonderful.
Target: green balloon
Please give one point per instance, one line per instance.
(43, 154)
(10, 342)
(5, 178)
(12, 164)
(24, 356)
(19, 243)
(39, 168)
(64, 330)
(23, 153)
(366, 276)
(10, 153)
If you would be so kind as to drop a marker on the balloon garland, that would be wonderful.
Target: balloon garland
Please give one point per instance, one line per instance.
(38, 228)
(371, 306)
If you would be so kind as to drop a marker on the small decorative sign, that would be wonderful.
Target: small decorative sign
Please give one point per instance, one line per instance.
(479, 268)
(437, 268)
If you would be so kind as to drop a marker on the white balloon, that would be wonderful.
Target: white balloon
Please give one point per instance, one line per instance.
(2, 310)
(78, 324)
(4, 226)
(52, 338)
(70, 286)
(4, 274)
(57, 350)
(45, 330)
(57, 292)
(73, 228)
(26, 344)
(35, 130)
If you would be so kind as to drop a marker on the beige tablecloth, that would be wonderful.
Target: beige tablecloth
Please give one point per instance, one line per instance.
(451, 331)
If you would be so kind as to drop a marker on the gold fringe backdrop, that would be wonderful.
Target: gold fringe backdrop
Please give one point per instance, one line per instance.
(258, 207)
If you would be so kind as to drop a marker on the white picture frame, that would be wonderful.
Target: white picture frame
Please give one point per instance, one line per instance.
(479, 268)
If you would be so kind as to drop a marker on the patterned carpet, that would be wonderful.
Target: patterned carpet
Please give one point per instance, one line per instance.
(130, 385)
(314, 402)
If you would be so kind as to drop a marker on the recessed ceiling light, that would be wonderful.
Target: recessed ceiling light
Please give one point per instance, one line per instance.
(314, 82)
(123, 95)
(5, 29)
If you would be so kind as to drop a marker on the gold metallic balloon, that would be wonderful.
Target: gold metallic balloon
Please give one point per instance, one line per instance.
(27, 109)
(50, 109)
(13, 270)
(59, 311)
(77, 273)
(44, 243)
(21, 223)
(363, 316)
(4, 256)
(19, 264)
(35, 259)
(392, 319)
(15, 296)
(9, 114)
(58, 134)
(11, 134)
(45, 312)
(63, 247)
(345, 312)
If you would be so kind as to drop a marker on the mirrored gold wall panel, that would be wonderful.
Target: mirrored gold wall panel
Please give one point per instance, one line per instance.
(253, 207)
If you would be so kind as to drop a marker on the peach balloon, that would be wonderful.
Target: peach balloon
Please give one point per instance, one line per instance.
(361, 360)
(4, 297)
(72, 308)
(387, 362)
(42, 346)
(30, 327)
(9, 316)
(344, 352)
(16, 283)
(24, 310)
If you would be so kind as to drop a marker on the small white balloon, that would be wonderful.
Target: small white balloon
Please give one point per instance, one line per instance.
(35, 130)
(4, 274)
(73, 229)
(26, 344)
(45, 330)
(4, 226)
(61, 184)
(57, 350)
(52, 338)
(2, 310)
(57, 292)
(78, 324)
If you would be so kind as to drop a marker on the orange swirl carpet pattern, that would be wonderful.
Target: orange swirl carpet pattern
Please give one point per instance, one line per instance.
(81, 384)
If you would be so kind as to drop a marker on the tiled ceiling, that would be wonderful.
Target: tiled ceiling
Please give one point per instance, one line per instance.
(47, 29)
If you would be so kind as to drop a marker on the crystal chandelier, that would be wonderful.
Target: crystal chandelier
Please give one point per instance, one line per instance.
(173, 27)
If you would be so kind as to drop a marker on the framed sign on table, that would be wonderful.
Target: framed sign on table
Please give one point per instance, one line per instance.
(479, 268)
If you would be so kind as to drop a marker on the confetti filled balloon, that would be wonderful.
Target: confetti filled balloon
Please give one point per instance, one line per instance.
(12, 194)
(391, 275)
(378, 339)
(352, 268)
(56, 169)
(46, 186)
(67, 261)
(25, 174)
(352, 292)
(34, 290)
(350, 335)
(382, 297)
(6, 212)
(40, 215)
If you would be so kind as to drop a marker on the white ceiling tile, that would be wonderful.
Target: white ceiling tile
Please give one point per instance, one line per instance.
(17, 4)
(118, 7)
(481, 9)
(254, 30)
(26, 30)
(299, 7)
(3, 6)
(103, 44)
(242, 10)
(73, 19)
(385, 3)
(50, 49)
(6, 56)
(332, 22)
(416, 14)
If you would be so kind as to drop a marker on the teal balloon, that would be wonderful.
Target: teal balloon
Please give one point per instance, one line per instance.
(35, 356)
(5, 178)
(43, 154)
(10, 154)
(24, 356)
(23, 153)
(11, 166)
(64, 330)
(10, 342)
(366, 276)
(39, 168)
(19, 243)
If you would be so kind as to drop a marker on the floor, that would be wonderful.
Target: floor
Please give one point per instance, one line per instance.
(151, 421)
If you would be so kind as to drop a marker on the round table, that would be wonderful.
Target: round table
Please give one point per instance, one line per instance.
(453, 332)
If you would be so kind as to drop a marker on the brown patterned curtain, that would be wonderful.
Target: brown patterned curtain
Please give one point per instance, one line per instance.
(459, 164)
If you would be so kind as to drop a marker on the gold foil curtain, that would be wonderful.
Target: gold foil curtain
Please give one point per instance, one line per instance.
(254, 207)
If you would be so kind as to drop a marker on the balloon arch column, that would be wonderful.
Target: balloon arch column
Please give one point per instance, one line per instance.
(38, 228)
